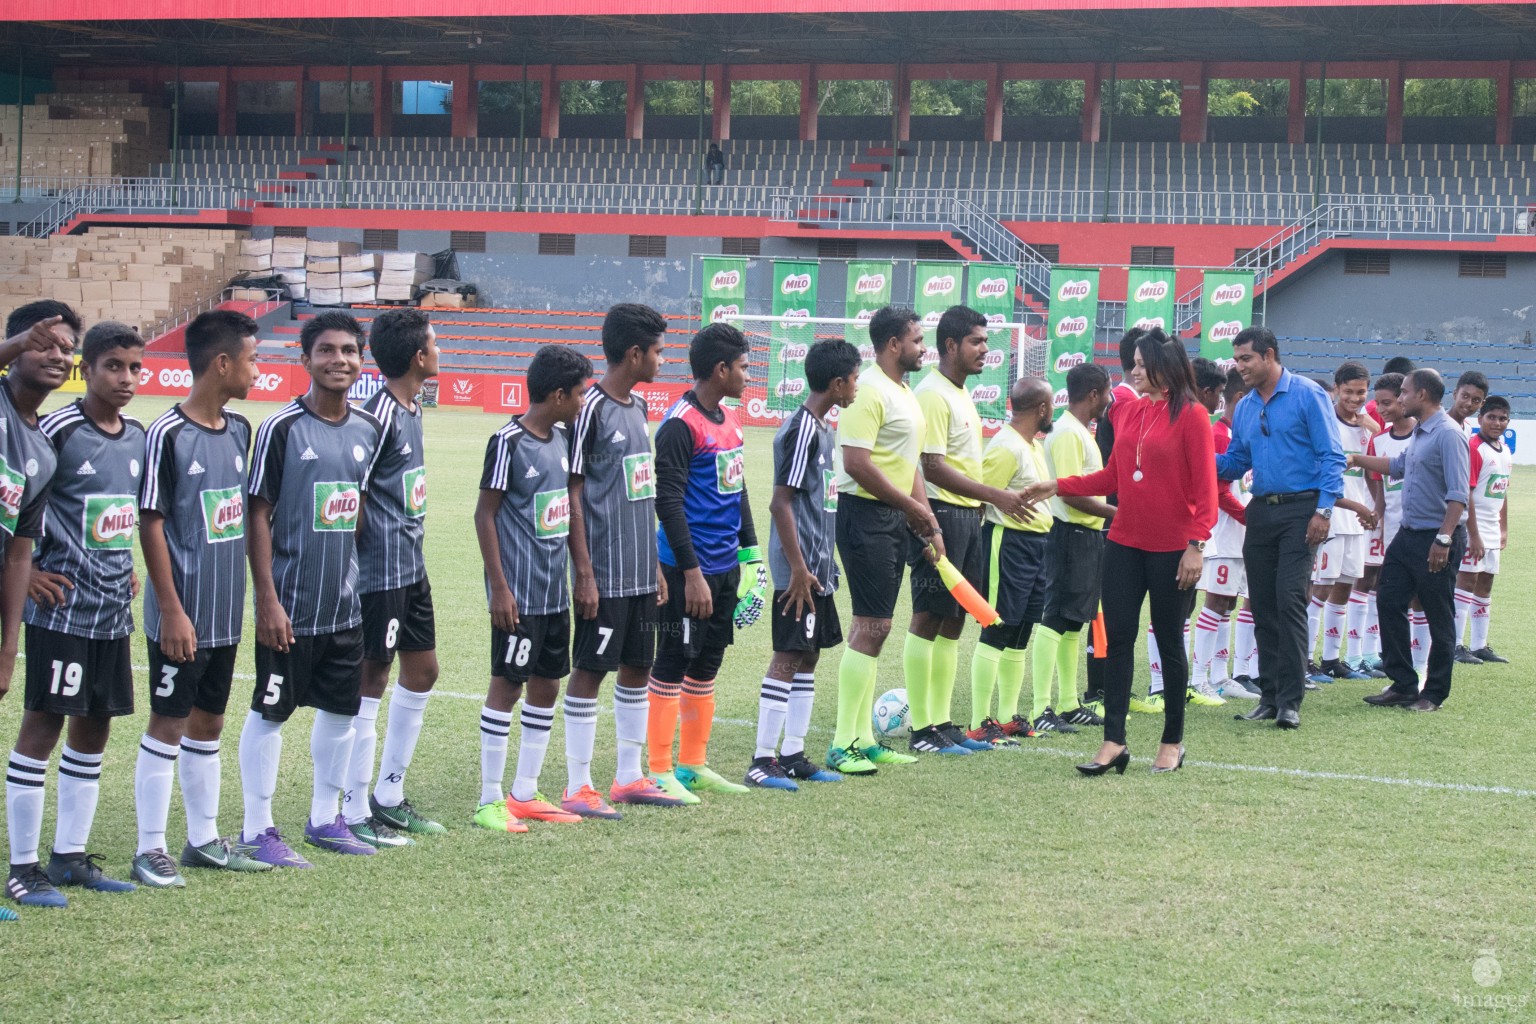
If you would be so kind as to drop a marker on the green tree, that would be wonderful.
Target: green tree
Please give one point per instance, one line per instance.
(509, 98)
(677, 97)
(949, 97)
(1247, 97)
(1054, 98)
(870, 97)
(778, 98)
(1349, 97)
(1448, 97)
(593, 97)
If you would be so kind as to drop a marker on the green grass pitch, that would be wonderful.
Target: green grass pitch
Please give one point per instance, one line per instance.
(1352, 871)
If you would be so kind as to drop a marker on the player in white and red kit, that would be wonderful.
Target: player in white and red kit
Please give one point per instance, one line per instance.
(1487, 527)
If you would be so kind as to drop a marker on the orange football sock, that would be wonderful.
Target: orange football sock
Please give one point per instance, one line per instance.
(661, 724)
(698, 719)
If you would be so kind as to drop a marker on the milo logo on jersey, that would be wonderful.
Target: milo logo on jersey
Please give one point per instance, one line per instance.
(552, 514)
(336, 507)
(414, 481)
(1497, 486)
(639, 476)
(731, 470)
(828, 491)
(13, 487)
(109, 521)
(223, 514)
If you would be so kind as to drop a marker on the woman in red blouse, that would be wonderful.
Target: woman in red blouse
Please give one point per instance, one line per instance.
(1163, 468)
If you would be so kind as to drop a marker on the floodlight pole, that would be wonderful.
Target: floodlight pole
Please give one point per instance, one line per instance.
(698, 170)
(1317, 156)
(346, 136)
(21, 68)
(176, 137)
(522, 131)
(1109, 131)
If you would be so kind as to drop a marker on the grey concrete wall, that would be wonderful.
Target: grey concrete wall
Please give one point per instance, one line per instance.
(1421, 298)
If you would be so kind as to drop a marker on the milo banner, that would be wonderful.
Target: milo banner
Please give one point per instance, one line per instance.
(1070, 325)
(1149, 299)
(991, 295)
(725, 288)
(1226, 308)
(794, 295)
(869, 288)
(937, 286)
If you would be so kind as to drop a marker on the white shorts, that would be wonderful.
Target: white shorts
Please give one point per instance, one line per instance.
(1340, 559)
(1488, 564)
(1375, 548)
(1224, 577)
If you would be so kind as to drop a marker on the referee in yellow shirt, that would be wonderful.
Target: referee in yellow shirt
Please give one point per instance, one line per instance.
(1014, 565)
(881, 508)
(951, 460)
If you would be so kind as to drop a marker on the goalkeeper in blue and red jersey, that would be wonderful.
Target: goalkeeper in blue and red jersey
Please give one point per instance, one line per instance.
(709, 556)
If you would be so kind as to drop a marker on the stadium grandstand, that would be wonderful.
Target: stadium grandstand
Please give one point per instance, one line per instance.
(1371, 163)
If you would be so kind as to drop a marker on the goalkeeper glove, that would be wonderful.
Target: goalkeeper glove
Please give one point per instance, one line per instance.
(752, 592)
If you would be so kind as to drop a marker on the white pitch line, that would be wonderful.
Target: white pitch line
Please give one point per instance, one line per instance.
(1258, 769)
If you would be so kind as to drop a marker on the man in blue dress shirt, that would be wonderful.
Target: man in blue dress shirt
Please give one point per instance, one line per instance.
(1283, 431)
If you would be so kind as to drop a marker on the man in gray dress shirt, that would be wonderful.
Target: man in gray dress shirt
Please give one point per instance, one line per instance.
(1422, 560)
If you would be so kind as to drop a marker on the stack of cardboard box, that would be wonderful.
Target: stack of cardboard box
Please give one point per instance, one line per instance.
(139, 276)
(95, 129)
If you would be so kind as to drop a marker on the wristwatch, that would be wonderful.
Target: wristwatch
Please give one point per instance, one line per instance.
(1326, 513)
(1443, 539)
(1198, 545)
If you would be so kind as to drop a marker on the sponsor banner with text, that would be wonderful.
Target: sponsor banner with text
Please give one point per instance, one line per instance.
(724, 288)
(794, 295)
(937, 286)
(1226, 308)
(991, 295)
(1070, 325)
(1150, 299)
(499, 393)
(461, 390)
(869, 288)
(170, 378)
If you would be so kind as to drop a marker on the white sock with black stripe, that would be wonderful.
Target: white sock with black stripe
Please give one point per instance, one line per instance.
(631, 715)
(24, 793)
(580, 739)
(200, 770)
(153, 775)
(495, 727)
(797, 722)
(772, 708)
(79, 790)
(532, 745)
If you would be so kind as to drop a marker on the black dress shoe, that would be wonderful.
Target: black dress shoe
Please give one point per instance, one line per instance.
(1262, 713)
(1118, 763)
(1390, 698)
(1289, 718)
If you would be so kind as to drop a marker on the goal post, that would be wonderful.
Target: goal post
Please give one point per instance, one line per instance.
(780, 343)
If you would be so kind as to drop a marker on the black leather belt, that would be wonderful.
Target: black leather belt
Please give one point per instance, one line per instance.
(1286, 499)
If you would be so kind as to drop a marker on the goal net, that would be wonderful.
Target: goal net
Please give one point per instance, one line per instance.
(779, 345)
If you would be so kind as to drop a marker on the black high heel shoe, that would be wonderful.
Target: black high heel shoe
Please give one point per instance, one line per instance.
(1118, 763)
(1159, 771)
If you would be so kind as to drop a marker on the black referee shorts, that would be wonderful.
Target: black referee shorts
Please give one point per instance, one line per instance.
(1074, 559)
(1014, 578)
(872, 539)
(961, 529)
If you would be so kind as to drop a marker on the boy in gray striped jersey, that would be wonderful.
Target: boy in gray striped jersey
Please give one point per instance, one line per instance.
(312, 463)
(392, 583)
(522, 521)
(805, 575)
(616, 576)
(192, 509)
(40, 353)
(79, 614)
